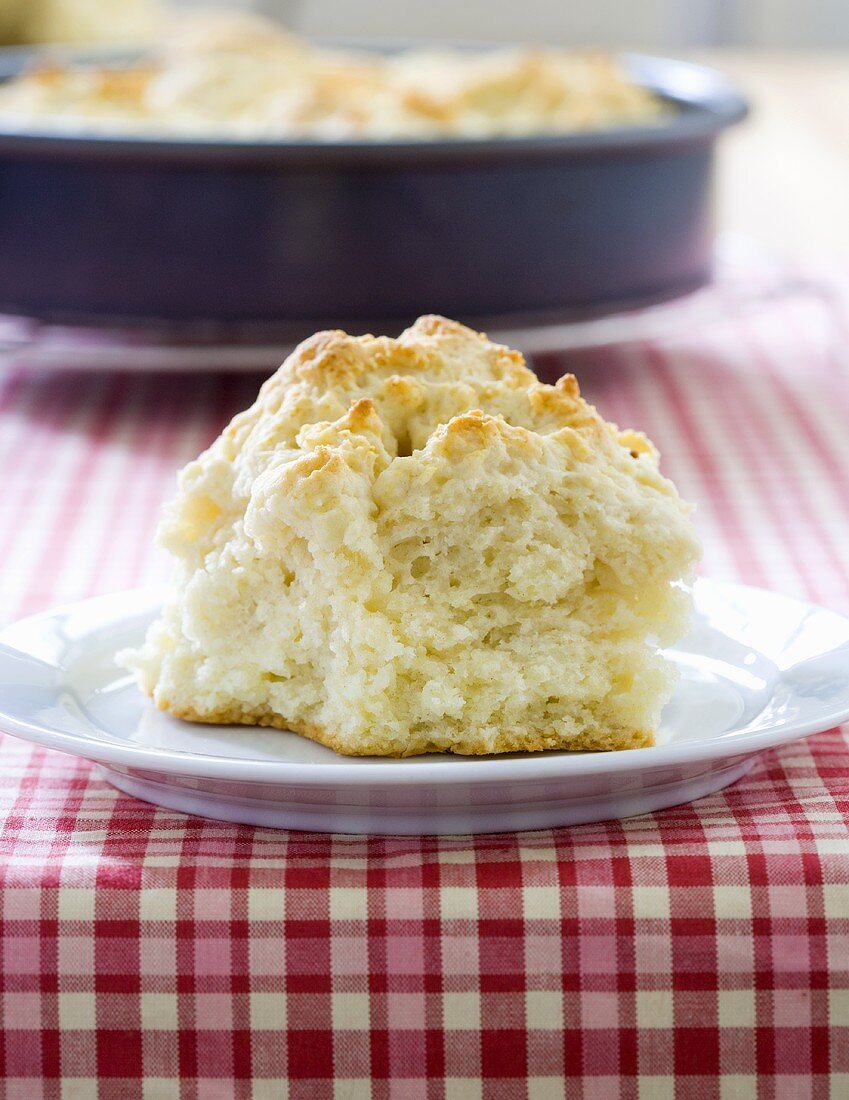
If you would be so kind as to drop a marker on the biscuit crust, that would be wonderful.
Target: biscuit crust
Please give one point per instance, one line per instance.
(505, 741)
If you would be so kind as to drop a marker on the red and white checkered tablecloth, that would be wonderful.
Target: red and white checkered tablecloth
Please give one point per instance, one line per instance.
(700, 952)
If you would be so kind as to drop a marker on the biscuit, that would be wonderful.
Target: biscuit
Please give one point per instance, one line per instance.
(409, 546)
(237, 75)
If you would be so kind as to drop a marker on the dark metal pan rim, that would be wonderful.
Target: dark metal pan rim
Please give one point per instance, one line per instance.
(199, 332)
(704, 102)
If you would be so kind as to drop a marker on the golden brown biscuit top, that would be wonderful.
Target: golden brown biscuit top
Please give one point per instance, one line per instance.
(241, 76)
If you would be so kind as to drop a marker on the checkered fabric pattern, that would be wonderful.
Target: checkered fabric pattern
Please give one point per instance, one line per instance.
(700, 952)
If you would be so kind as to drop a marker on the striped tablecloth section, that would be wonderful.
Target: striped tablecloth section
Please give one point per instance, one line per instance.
(699, 952)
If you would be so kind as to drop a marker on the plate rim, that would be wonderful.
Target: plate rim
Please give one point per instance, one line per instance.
(493, 770)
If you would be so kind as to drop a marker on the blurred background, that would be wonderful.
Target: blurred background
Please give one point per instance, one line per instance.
(785, 54)
(644, 24)
(641, 24)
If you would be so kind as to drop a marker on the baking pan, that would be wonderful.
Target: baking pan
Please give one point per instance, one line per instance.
(293, 235)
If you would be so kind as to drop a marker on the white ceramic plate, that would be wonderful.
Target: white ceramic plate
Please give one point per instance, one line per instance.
(757, 669)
